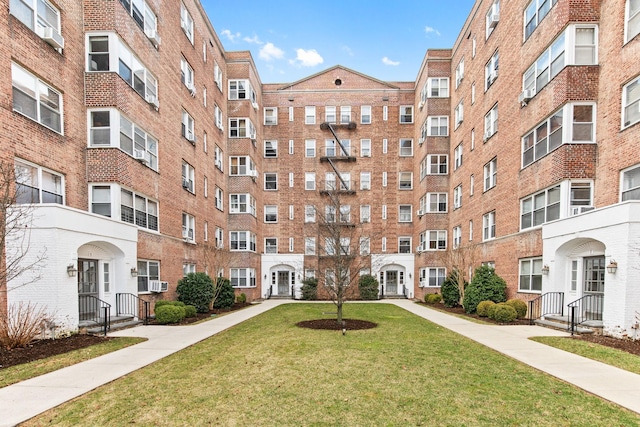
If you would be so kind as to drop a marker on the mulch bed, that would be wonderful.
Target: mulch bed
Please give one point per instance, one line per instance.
(201, 316)
(333, 325)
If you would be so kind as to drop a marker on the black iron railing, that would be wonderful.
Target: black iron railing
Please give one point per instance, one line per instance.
(405, 291)
(381, 292)
(270, 292)
(589, 307)
(93, 309)
(293, 292)
(133, 305)
(547, 303)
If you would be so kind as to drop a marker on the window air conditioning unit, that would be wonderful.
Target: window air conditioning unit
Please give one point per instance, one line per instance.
(140, 155)
(254, 105)
(421, 105)
(366, 219)
(420, 249)
(253, 173)
(192, 89)
(422, 284)
(494, 16)
(187, 234)
(151, 99)
(493, 74)
(219, 164)
(186, 184)
(421, 140)
(576, 210)
(526, 95)
(486, 136)
(153, 36)
(158, 286)
(252, 136)
(420, 212)
(191, 138)
(53, 37)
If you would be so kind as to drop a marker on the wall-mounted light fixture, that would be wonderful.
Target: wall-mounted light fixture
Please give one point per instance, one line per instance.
(545, 269)
(134, 272)
(72, 270)
(612, 267)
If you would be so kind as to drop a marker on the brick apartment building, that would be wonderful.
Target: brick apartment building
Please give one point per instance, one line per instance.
(148, 151)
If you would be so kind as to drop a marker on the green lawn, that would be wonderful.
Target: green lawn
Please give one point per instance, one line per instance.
(407, 371)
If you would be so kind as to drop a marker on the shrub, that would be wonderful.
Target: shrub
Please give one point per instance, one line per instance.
(196, 289)
(504, 313)
(21, 323)
(483, 308)
(432, 298)
(226, 296)
(491, 309)
(520, 307)
(162, 302)
(450, 290)
(190, 311)
(310, 288)
(169, 313)
(486, 285)
(242, 298)
(368, 286)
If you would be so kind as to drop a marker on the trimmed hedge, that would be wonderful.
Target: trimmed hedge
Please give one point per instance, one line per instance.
(310, 288)
(226, 296)
(520, 307)
(432, 298)
(368, 287)
(450, 290)
(242, 298)
(169, 313)
(196, 289)
(190, 311)
(486, 285)
(483, 308)
(504, 313)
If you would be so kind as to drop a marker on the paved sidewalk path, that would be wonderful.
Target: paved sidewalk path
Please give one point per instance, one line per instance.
(26, 399)
(610, 383)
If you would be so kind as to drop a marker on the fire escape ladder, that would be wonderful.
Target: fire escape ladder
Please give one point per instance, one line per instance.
(339, 175)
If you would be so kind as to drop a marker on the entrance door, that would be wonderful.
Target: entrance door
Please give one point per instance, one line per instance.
(88, 288)
(392, 282)
(283, 282)
(594, 271)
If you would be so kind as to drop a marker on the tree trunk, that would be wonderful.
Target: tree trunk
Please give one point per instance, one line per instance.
(339, 312)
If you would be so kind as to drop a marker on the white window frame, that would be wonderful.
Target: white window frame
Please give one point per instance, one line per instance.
(365, 114)
(270, 116)
(490, 174)
(309, 214)
(436, 240)
(438, 87)
(271, 149)
(459, 73)
(534, 13)
(405, 180)
(404, 244)
(406, 114)
(187, 75)
(457, 197)
(458, 114)
(188, 127)
(457, 156)
(489, 226)
(432, 277)
(405, 148)
(186, 22)
(30, 177)
(491, 71)
(245, 241)
(188, 227)
(271, 181)
(436, 202)
(188, 177)
(309, 115)
(310, 246)
(456, 236)
(309, 147)
(38, 92)
(438, 126)
(494, 11)
(365, 180)
(438, 164)
(629, 16)
(630, 106)
(270, 245)
(240, 203)
(541, 207)
(310, 181)
(365, 213)
(242, 277)
(365, 148)
(530, 271)
(405, 213)
(244, 166)
(630, 183)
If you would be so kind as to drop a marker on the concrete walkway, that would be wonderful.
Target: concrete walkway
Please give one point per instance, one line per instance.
(25, 400)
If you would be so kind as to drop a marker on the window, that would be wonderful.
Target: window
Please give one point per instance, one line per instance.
(365, 213)
(291, 212)
(458, 114)
(243, 277)
(365, 114)
(186, 22)
(242, 241)
(310, 148)
(345, 214)
(330, 114)
(35, 184)
(384, 179)
(471, 184)
(473, 93)
(580, 198)
(188, 177)
(383, 244)
(437, 164)
(309, 181)
(437, 202)
(270, 213)
(384, 146)
(432, 276)
(459, 72)
(271, 116)
(219, 237)
(384, 211)
(241, 128)
(188, 125)
(271, 149)
(385, 113)
(470, 230)
(490, 174)
(291, 114)
(330, 214)
(309, 213)
(406, 147)
(147, 270)
(539, 208)
(365, 180)
(238, 89)
(365, 147)
(631, 102)
(99, 53)
(630, 184)
(492, 17)
(438, 87)
(406, 114)
(489, 226)
(218, 158)
(404, 245)
(438, 126)
(573, 122)
(310, 115)
(35, 99)
(242, 203)
(186, 75)
(534, 13)
(365, 246)
(134, 208)
(291, 146)
(405, 180)
(217, 75)
(219, 198)
(574, 46)
(491, 123)
(457, 236)
(530, 275)
(39, 16)
(632, 19)
(405, 213)
(309, 245)
(217, 114)
(241, 166)
(205, 148)
(457, 197)
(457, 155)
(270, 181)
(188, 228)
(345, 114)
(270, 245)
(135, 141)
(491, 71)
(437, 239)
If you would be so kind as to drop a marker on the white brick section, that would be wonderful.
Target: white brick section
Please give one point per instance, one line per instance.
(275, 262)
(400, 262)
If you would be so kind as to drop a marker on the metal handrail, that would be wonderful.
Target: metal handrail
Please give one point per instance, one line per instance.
(98, 311)
(270, 292)
(293, 292)
(405, 291)
(589, 307)
(547, 303)
(129, 304)
(381, 296)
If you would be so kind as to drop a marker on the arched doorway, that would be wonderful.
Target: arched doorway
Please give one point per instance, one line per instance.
(283, 279)
(392, 280)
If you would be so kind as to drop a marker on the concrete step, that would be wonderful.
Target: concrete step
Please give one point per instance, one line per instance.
(114, 327)
(562, 326)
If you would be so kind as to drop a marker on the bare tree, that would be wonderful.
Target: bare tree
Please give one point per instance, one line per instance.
(461, 260)
(215, 257)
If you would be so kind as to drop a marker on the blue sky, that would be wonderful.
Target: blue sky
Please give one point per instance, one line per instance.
(292, 39)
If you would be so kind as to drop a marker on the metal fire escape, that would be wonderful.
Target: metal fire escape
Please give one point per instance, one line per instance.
(342, 155)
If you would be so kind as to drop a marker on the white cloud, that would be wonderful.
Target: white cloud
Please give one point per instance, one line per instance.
(387, 61)
(253, 39)
(231, 36)
(430, 30)
(269, 52)
(307, 58)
